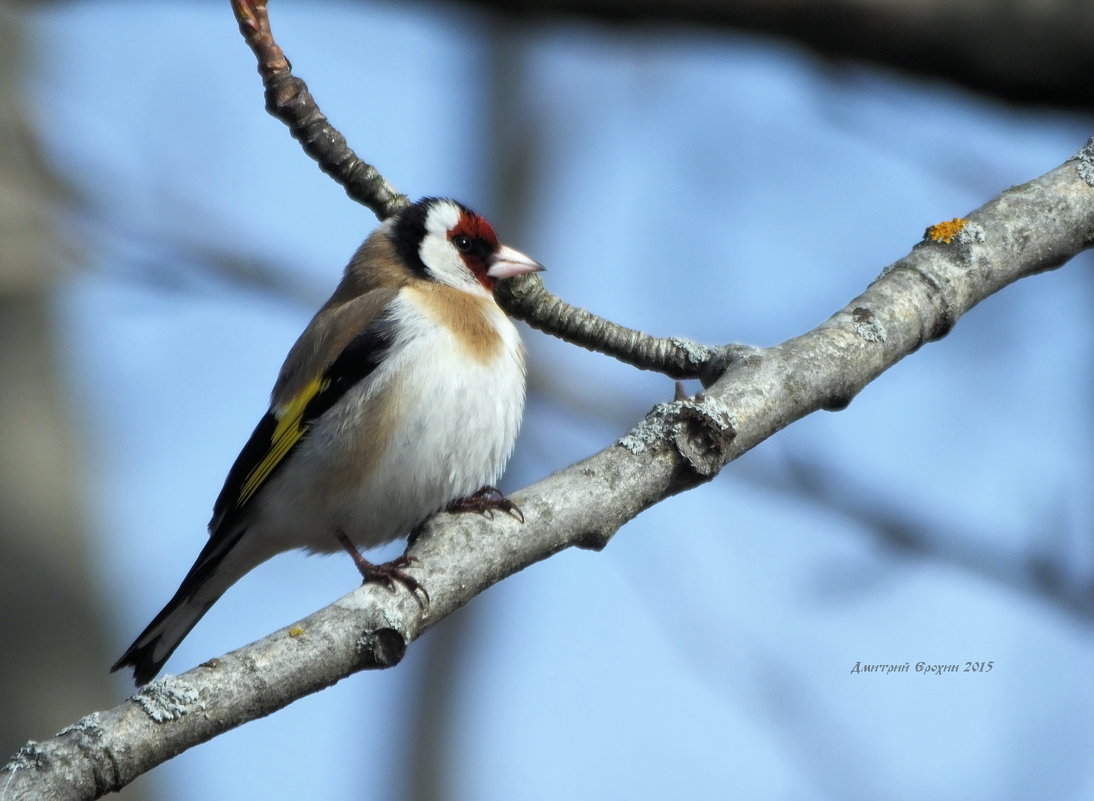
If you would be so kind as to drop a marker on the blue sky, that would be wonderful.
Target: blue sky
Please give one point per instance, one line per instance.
(721, 187)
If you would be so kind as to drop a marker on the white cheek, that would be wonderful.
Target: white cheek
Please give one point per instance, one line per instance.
(438, 254)
(441, 258)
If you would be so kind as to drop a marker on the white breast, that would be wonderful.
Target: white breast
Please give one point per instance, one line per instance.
(452, 418)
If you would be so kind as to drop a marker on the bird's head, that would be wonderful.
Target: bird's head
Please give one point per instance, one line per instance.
(444, 241)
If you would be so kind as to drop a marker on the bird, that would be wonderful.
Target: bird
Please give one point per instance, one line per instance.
(402, 398)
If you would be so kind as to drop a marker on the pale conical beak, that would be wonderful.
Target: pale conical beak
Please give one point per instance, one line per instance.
(508, 262)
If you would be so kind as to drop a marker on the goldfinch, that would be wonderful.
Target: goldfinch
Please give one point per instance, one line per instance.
(402, 397)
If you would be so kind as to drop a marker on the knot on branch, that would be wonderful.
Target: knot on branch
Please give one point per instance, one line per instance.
(167, 698)
(381, 648)
(1085, 157)
(937, 289)
(699, 429)
(28, 757)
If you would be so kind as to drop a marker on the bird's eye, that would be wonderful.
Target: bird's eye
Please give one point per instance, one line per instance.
(462, 243)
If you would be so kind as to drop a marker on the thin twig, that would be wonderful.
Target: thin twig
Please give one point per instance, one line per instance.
(288, 99)
(527, 299)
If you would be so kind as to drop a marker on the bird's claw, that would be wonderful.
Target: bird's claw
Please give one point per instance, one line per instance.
(391, 573)
(485, 501)
(387, 573)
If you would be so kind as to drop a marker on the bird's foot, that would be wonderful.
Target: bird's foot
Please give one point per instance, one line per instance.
(485, 501)
(388, 573)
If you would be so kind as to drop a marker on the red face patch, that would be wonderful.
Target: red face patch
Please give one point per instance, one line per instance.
(476, 242)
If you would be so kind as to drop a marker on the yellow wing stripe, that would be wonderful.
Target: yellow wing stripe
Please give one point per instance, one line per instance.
(288, 432)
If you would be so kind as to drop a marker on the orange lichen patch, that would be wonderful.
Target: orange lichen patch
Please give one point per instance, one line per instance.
(946, 231)
(296, 631)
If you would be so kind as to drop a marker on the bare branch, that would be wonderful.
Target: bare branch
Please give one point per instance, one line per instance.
(288, 99)
(526, 299)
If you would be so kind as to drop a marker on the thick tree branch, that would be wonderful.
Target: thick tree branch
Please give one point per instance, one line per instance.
(679, 445)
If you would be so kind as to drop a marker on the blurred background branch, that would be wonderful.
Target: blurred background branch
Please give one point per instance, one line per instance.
(1023, 51)
(48, 600)
(1027, 51)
